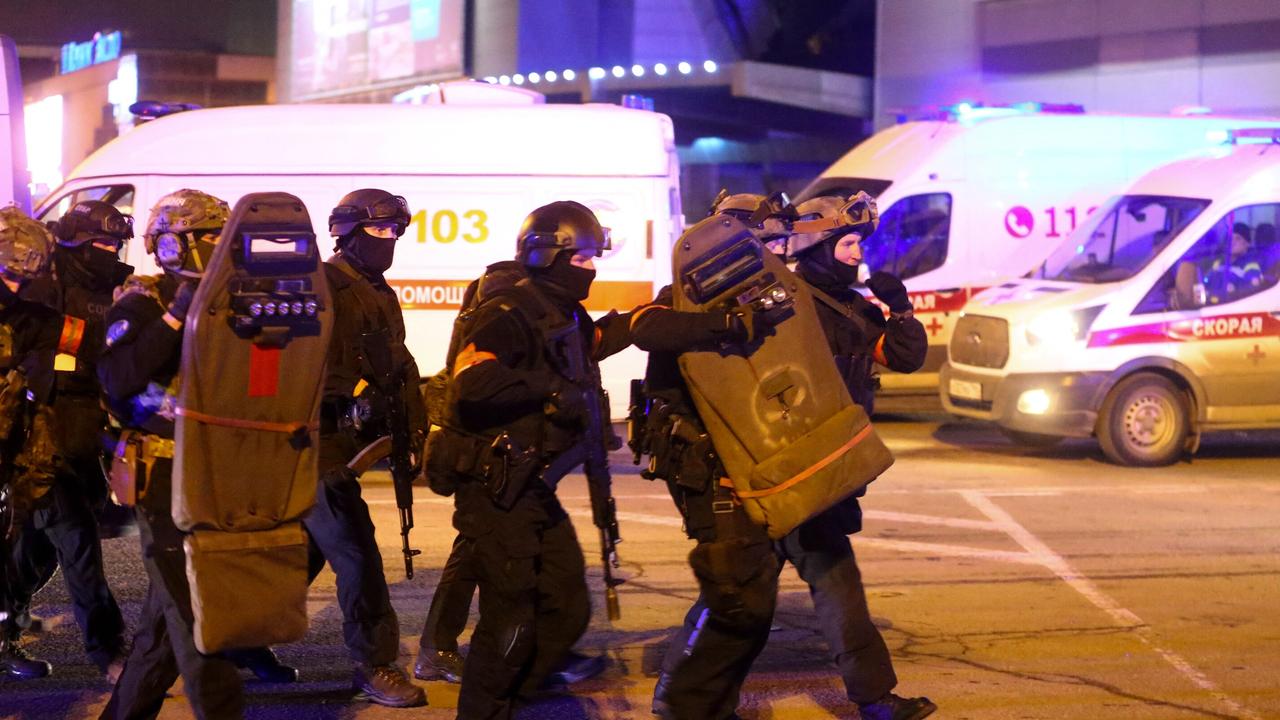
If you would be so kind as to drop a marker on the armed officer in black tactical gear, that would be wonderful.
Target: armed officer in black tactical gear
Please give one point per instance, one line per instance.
(65, 533)
(138, 370)
(737, 571)
(859, 335)
(367, 224)
(516, 425)
(29, 334)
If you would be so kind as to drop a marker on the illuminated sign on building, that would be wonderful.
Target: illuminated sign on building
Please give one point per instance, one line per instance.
(351, 45)
(79, 55)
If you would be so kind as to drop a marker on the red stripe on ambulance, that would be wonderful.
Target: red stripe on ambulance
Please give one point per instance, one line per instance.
(1221, 327)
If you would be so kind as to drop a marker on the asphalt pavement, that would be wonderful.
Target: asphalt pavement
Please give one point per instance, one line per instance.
(1008, 582)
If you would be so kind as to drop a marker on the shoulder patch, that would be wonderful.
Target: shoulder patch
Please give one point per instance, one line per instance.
(117, 330)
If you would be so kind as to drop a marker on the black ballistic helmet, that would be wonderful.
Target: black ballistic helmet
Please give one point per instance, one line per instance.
(562, 225)
(93, 220)
(368, 205)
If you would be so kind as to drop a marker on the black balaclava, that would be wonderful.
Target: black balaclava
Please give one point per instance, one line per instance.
(819, 267)
(563, 280)
(372, 256)
(89, 267)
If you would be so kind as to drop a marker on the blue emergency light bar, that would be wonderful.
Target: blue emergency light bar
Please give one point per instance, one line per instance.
(1264, 134)
(152, 109)
(966, 111)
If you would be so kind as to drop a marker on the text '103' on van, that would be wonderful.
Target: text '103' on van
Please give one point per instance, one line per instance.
(981, 195)
(471, 167)
(1159, 318)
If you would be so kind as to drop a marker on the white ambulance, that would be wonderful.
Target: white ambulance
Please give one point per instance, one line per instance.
(471, 168)
(1159, 318)
(982, 194)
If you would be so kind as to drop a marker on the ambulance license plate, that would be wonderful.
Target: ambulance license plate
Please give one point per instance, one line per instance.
(966, 389)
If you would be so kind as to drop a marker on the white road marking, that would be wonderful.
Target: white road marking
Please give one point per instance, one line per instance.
(940, 550)
(929, 520)
(1083, 585)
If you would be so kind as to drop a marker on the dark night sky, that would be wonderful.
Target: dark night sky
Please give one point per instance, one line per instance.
(230, 26)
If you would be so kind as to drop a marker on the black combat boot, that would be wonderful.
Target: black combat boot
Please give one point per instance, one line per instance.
(439, 665)
(387, 685)
(15, 662)
(892, 707)
(575, 668)
(264, 665)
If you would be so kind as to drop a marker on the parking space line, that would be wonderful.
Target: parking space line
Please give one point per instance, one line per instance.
(1083, 585)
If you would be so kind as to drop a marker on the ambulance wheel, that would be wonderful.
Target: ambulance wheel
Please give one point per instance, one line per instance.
(1030, 439)
(1144, 421)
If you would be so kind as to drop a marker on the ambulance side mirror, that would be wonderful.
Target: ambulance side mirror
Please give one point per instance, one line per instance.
(1188, 291)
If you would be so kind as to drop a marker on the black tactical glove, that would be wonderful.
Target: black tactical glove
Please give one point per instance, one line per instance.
(182, 300)
(567, 405)
(890, 291)
(747, 322)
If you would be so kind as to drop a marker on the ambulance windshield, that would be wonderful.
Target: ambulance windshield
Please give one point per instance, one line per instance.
(1120, 238)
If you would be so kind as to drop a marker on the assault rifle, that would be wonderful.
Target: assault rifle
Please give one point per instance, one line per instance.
(389, 382)
(586, 375)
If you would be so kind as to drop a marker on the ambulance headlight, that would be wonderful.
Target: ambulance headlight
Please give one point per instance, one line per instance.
(295, 307)
(1034, 402)
(269, 308)
(311, 307)
(1061, 327)
(255, 309)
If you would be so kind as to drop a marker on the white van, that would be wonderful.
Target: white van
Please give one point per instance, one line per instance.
(470, 169)
(982, 195)
(1158, 319)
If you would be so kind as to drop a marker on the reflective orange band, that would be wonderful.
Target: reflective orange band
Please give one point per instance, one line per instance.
(636, 315)
(72, 335)
(878, 354)
(809, 471)
(470, 357)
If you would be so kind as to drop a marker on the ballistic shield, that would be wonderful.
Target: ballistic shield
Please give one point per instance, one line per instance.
(245, 466)
(779, 416)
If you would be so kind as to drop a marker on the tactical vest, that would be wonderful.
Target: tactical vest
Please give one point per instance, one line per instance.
(456, 451)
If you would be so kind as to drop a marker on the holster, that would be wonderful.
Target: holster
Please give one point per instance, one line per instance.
(135, 454)
(507, 469)
(452, 456)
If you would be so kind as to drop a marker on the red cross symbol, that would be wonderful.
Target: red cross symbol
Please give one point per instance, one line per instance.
(934, 326)
(1257, 354)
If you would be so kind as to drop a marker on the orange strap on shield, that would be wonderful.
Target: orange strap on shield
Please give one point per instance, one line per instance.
(809, 471)
(242, 424)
